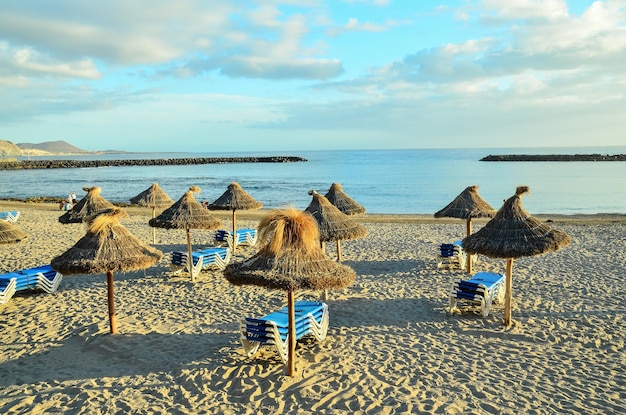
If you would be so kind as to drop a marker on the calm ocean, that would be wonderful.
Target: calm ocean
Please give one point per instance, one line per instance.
(383, 181)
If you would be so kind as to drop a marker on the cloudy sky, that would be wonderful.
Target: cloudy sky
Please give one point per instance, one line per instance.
(234, 75)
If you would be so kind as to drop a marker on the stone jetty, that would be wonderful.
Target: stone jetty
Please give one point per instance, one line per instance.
(555, 157)
(66, 164)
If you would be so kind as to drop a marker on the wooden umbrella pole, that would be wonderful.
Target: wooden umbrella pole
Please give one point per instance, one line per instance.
(153, 228)
(468, 263)
(189, 257)
(291, 335)
(234, 232)
(338, 252)
(111, 301)
(508, 293)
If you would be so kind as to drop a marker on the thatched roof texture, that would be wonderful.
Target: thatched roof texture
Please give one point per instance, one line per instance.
(514, 233)
(86, 207)
(342, 201)
(107, 246)
(333, 224)
(10, 233)
(186, 213)
(154, 197)
(290, 257)
(235, 198)
(468, 204)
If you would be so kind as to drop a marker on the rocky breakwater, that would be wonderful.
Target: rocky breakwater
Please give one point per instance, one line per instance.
(555, 157)
(65, 164)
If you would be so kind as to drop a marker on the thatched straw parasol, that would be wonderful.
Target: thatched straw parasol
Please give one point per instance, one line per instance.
(342, 201)
(467, 205)
(333, 224)
(235, 198)
(514, 233)
(290, 259)
(10, 233)
(86, 207)
(187, 213)
(107, 247)
(153, 197)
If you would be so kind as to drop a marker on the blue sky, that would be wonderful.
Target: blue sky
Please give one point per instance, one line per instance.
(191, 75)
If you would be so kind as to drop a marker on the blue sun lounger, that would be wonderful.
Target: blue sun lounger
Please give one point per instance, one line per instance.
(10, 216)
(217, 257)
(451, 255)
(42, 278)
(483, 289)
(272, 329)
(245, 236)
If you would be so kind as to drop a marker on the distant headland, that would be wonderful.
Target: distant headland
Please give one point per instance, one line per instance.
(64, 164)
(11, 151)
(555, 157)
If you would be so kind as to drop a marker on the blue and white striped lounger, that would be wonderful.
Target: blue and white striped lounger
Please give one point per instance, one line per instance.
(217, 257)
(451, 255)
(10, 216)
(482, 289)
(42, 278)
(245, 236)
(272, 329)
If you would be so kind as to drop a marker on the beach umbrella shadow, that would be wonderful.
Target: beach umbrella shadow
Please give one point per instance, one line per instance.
(514, 233)
(187, 213)
(153, 197)
(235, 198)
(467, 205)
(106, 247)
(290, 259)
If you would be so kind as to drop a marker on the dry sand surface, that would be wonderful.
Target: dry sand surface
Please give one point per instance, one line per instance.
(392, 347)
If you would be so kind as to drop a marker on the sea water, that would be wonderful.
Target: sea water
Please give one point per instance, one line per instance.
(415, 181)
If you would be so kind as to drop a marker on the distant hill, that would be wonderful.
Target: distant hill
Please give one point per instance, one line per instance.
(51, 147)
(8, 149)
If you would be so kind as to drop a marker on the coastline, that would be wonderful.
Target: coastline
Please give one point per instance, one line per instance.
(392, 345)
(597, 218)
(185, 161)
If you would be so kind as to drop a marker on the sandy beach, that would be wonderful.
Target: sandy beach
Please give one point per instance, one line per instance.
(392, 345)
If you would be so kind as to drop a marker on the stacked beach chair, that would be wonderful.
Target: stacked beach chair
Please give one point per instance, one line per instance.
(483, 289)
(10, 216)
(245, 236)
(215, 257)
(271, 330)
(42, 278)
(451, 255)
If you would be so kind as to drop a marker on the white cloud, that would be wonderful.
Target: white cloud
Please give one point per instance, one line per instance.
(27, 61)
(527, 9)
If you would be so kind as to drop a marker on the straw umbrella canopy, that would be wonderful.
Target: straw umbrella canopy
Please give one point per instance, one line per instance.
(290, 259)
(153, 197)
(333, 224)
(106, 247)
(86, 207)
(338, 198)
(10, 233)
(467, 205)
(235, 198)
(187, 213)
(514, 233)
